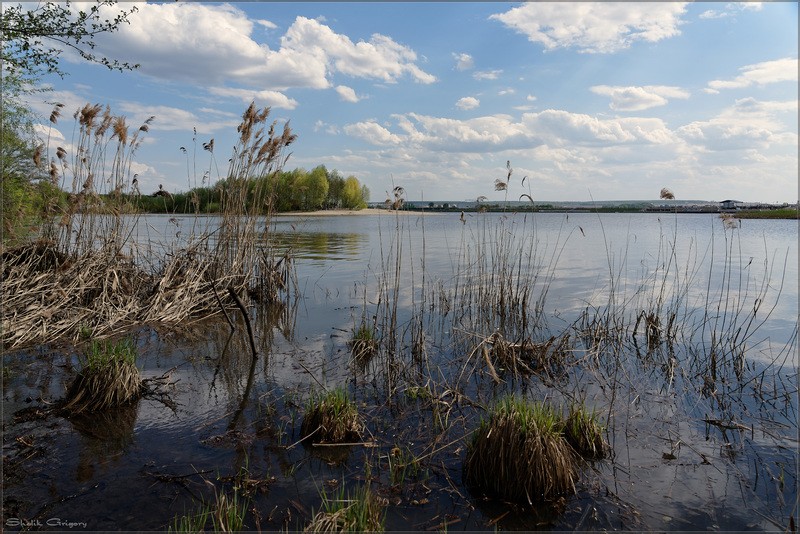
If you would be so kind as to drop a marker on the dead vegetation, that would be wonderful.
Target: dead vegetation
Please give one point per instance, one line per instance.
(84, 272)
(527, 357)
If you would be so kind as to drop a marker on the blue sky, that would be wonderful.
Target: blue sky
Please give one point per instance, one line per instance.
(588, 100)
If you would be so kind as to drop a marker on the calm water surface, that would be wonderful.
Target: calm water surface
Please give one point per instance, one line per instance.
(686, 456)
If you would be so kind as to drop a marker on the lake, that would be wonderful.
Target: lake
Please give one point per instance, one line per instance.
(699, 441)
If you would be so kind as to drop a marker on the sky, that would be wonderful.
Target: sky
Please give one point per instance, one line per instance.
(603, 101)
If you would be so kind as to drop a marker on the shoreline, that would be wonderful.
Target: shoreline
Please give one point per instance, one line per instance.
(345, 213)
(744, 214)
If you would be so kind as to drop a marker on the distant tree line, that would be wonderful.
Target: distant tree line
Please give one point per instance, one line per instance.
(295, 190)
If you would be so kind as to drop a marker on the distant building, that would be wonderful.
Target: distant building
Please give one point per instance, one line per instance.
(729, 204)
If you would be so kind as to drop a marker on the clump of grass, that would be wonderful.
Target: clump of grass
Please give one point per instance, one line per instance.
(191, 522)
(418, 392)
(108, 378)
(359, 512)
(331, 418)
(520, 453)
(584, 433)
(226, 515)
(402, 464)
(364, 344)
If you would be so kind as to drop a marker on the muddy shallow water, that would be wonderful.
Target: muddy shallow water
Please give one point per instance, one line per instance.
(690, 452)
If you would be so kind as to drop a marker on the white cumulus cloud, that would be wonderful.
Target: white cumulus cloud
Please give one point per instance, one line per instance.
(731, 9)
(636, 98)
(174, 119)
(468, 102)
(215, 45)
(463, 61)
(563, 128)
(487, 74)
(594, 27)
(748, 124)
(268, 24)
(347, 94)
(779, 70)
(372, 132)
(273, 99)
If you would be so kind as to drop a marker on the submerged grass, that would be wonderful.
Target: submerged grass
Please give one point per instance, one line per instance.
(357, 512)
(364, 343)
(226, 514)
(584, 433)
(403, 464)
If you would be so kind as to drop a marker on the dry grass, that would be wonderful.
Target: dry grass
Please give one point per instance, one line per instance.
(729, 221)
(520, 454)
(528, 356)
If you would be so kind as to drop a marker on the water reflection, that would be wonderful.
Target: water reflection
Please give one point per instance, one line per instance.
(321, 246)
(105, 437)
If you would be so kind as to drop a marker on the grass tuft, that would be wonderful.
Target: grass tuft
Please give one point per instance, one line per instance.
(584, 433)
(226, 515)
(331, 418)
(364, 344)
(520, 453)
(108, 378)
(360, 512)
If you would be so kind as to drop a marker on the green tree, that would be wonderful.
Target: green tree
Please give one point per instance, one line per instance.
(335, 189)
(353, 194)
(313, 188)
(18, 151)
(33, 38)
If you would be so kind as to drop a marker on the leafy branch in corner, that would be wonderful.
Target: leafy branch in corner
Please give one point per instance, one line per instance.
(34, 39)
